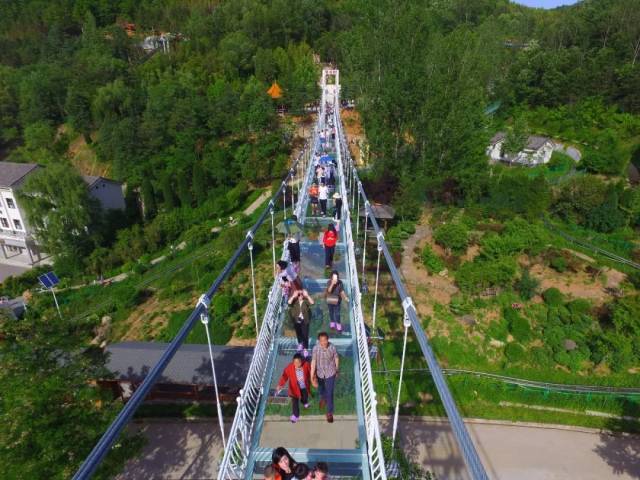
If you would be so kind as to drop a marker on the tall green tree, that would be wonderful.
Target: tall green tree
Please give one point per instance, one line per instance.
(60, 210)
(148, 199)
(168, 194)
(200, 183)
(184, 189)
(53, 411)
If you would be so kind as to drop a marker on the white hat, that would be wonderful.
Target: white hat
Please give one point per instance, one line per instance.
(336, 195)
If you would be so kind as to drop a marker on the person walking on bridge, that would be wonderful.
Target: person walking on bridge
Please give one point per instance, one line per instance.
(283, 463)
(329, 240)
(300, 316)
(334, 294)
(298, 374)
(325, 365)
(287, 274)
(323, 196)
(337, 207)
(313, 199)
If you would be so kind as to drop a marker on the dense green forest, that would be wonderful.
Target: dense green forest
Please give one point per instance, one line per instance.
(191, 131)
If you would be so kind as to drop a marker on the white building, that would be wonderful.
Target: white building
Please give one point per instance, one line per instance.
(18, 245)
(537, 151)
(16, 241)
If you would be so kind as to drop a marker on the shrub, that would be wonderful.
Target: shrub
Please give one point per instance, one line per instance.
(431, 260)
(553, 297)
(498, 330)
(634, 278)
(408, 227)
(559, 264)
(518, 325)
(579, 306)
(197, 235)
(541, 357)
(515, 352)
(473, 277)
(453, 236)
(526, 285)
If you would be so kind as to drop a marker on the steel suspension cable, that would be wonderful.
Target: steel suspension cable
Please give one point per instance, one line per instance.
(253, 282)
(375, 295)
(273, 239)
(204, 319)
(358, 218)
(364, 245)
(284, 201)
(407, 324)
(292, 183)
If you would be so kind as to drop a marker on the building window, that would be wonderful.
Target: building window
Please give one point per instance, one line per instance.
(11, 203)
(17, 224)
(5, 222)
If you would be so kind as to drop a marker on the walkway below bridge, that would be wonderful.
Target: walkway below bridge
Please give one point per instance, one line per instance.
(508, 451)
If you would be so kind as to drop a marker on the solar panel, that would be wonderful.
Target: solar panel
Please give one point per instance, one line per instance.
(49, 280)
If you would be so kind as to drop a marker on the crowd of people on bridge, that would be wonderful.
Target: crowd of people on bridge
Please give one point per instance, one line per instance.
(284, 467)
(318, 369)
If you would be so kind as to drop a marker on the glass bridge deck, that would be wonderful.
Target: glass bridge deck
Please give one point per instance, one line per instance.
(312, 438)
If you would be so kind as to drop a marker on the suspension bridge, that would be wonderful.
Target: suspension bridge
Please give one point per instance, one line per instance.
(352, 449)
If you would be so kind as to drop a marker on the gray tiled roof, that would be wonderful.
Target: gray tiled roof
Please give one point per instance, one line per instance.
(384, 212)
(90, 180)
(12, 173)
(190, 365)
(498, 137)
(534, 142)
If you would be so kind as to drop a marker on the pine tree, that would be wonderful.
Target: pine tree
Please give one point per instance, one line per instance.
(168, 195)
(199, 183)
(148, 199)
(184, 190)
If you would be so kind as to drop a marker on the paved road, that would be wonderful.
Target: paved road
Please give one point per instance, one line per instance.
(8, 270)
(176, 450)
(191, 450)
(525, 452)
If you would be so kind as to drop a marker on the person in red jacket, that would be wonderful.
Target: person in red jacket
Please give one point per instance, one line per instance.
(329, 241)
(298, 373)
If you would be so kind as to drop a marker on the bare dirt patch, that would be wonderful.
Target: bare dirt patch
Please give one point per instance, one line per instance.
(148, 319)
(84, 159)
(575, 285)
(426, 289)
(614, 277)
(355, 133)
(472, 252)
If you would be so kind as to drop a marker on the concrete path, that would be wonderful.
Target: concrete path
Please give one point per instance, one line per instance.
(178, 449)
(518, 451)
(266, 195)
(7, 271)
(312, 431)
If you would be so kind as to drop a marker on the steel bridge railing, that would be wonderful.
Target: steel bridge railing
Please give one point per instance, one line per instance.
(372, 426)
(469, 453)
(102, 448)
(237, 455)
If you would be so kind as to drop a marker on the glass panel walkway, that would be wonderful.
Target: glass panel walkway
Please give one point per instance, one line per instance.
(342, 443)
